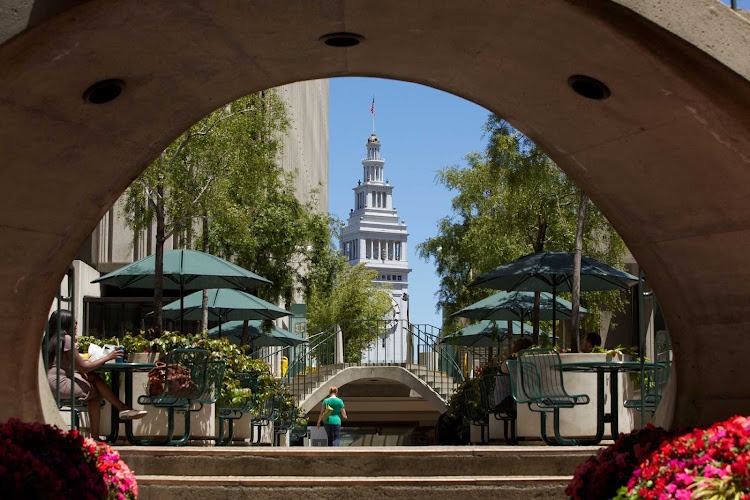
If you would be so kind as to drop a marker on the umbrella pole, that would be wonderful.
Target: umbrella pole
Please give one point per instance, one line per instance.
(510, 337)
(554, 315)
(182, 309)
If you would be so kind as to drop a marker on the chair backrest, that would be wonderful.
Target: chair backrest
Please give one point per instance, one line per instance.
(494, 389)
(248, 381)
(214, 379)
(269, 409)
(520, 378)
(472, 407)
(547, 381)
(663, 358)
(187, 371)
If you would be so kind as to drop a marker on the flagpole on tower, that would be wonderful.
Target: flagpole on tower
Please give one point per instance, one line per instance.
(372, 110)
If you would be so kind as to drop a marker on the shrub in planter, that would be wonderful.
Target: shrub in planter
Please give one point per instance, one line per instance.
(603, 474)
(705, 463)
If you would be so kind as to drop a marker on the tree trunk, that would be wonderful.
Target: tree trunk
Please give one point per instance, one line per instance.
(204, 304)
(245, 338)
(576, 300)
(159, 264)
(541, 235)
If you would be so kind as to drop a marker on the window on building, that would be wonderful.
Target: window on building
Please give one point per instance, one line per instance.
(399, 277)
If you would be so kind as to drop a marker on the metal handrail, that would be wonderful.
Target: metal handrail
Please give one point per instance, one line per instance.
(375, 342)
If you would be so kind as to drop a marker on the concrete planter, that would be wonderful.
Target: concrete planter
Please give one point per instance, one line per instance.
(142, 357)
(202, 423)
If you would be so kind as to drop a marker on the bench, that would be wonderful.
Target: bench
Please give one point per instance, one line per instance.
(537, 380)
(266, 412)
(474, 410)
(236, 409)
(497, 400)
(287, 423)
(656, 381)
(180, 391)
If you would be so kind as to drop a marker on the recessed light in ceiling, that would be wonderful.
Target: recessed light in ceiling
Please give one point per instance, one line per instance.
(342, 39)
(104, 91)
(588, 87)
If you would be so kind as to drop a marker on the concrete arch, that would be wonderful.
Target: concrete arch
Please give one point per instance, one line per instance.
(392, 373)
(665, 157)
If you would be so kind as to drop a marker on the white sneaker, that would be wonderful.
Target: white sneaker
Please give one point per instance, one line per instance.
(132, 414)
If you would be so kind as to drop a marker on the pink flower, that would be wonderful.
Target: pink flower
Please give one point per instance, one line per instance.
(682, 495)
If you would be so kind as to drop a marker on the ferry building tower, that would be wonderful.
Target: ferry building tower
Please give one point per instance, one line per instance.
(376, 236)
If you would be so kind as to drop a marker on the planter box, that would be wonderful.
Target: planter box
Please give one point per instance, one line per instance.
(202, 423)
(581, 420)
(142, 357)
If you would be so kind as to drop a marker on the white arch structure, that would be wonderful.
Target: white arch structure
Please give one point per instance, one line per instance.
(392, 373)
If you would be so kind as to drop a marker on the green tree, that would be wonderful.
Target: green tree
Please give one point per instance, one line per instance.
(354, 302)
(512, 200)
(224, 173)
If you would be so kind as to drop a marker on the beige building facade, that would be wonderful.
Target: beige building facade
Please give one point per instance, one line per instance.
(113, 244)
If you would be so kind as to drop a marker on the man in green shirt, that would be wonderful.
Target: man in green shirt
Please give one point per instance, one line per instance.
(332, 422)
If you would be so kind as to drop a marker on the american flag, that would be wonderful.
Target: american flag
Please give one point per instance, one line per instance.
(372, 109)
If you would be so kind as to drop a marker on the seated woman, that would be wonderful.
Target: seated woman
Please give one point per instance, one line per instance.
(86, 386)
(522, 343)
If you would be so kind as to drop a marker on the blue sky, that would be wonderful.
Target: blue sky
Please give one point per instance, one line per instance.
(421, 130)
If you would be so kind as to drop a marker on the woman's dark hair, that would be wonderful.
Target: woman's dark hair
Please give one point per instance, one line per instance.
(66, 328)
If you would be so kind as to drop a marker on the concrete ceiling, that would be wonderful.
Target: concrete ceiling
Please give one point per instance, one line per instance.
(666, 157)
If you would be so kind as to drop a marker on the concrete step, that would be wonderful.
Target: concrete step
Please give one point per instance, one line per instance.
(357, 488)
(427, 461)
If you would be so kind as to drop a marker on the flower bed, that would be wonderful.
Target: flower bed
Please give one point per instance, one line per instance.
(602, 475)
(705, 463)
(41, 461)
(710, 463)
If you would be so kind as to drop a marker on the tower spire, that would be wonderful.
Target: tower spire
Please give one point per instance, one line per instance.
(372, 110)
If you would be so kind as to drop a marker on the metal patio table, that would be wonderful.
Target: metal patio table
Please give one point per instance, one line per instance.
(127, 369)
(613, 368)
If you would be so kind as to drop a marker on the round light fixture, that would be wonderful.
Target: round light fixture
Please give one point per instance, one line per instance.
(342, 39)
(104, 91)
(588, 87)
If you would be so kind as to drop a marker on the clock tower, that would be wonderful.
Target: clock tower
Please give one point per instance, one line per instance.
(374, 235)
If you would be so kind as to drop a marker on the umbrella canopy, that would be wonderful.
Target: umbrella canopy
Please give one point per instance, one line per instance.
(485, 334)
(553, 272)
(545, 271)
(517, 305)
(225, 304)
(275, 337)
(184, 270)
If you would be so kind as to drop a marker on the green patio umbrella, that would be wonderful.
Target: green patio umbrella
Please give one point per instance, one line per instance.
(184, 270)
(517, 305)
(225, 305)
(485, 334)
(553, 272)
(259, 338)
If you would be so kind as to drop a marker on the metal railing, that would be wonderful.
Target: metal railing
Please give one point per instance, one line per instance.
(68, 403)
(375, 343)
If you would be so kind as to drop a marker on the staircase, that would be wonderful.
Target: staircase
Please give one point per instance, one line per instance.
(434, 473)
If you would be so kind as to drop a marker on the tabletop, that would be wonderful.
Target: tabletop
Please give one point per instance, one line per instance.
(619, 366)
(114, 366)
